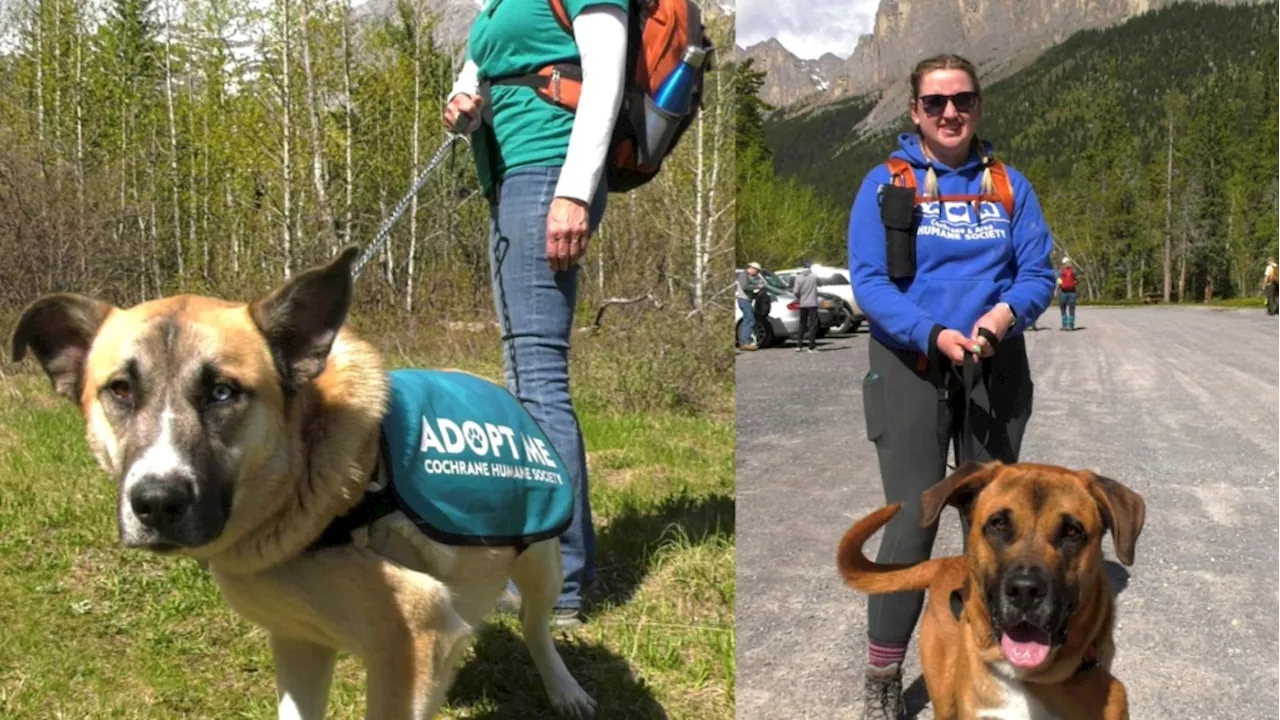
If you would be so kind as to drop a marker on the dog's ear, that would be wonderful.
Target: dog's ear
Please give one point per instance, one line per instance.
(60, 329)
(957, 489)
(301, 319)
(1123, 511)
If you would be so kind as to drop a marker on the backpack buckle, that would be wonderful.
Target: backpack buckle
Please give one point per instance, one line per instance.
(555, 84)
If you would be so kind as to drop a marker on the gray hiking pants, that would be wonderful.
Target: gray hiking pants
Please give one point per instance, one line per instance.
(913, 417)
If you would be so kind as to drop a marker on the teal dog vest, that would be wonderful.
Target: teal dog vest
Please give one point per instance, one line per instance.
(466, 463)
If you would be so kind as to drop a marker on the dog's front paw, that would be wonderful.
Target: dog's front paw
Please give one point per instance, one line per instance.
(574, 702)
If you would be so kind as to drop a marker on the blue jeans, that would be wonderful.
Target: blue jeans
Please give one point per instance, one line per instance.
(1067, 305)
(535, 310)
(748, 321)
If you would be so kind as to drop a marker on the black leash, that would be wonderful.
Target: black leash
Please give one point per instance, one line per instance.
(970, 375)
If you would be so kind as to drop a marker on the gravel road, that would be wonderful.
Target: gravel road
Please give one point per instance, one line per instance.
(1180, 404)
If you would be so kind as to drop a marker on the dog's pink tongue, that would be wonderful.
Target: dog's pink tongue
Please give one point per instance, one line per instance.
(1026, 647)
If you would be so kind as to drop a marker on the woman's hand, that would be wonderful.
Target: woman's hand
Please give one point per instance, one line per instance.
(997, 321)
(462, 114)
(953, 344)
(566, 232)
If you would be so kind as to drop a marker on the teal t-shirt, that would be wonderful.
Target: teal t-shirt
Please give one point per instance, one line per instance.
(469, 464)
(514, 37)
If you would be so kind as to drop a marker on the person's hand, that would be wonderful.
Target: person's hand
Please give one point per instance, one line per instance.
(566, 232)
(997, 321)
(462, 114)
(953, 344)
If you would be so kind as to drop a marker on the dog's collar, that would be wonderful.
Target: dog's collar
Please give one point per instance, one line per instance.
(1089, 662)
(378, 501)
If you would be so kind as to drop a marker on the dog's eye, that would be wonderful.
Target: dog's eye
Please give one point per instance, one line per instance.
(121, 390)
(998, 523)
(1071, 531)
(221, 392)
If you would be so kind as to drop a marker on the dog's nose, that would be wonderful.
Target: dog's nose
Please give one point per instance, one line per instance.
(1025, 588)
(158, 502)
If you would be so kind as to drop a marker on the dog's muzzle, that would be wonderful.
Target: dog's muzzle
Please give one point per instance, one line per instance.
(166, 512)
(1030, 614)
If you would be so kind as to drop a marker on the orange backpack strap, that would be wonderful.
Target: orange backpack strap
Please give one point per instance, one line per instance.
(1004, 188)
(901, 169)
(562, 15)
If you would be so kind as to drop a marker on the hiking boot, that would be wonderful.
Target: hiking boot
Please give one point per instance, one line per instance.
(882, 699)
(566, 618)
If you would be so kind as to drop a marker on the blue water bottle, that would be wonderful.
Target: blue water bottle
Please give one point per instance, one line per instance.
(674, 94)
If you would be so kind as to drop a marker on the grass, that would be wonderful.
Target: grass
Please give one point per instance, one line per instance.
(89, 630)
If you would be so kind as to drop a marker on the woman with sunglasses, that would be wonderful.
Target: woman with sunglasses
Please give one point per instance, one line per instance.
(966, 278)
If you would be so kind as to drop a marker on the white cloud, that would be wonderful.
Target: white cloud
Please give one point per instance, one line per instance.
(808, 28)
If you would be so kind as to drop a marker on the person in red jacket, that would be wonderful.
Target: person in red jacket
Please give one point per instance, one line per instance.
(1067, 294)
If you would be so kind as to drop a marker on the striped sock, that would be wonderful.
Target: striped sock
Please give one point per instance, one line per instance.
(883, 655)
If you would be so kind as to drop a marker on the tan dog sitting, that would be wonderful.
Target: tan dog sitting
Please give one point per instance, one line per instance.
(1020, 627)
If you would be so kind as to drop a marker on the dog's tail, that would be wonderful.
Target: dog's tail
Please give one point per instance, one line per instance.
(869, 577)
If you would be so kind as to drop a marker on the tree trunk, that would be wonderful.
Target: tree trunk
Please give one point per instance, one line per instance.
(117, 238)
(38, 21)
(699, 221)
(317, 140)
(286, 160)
(194, 210)
(1182, 276)
(416, 142)
(80, 208)
(57, 89)
(713, 210)
(235, 241)
(350, 108)
(207, 190)
(1168, 217)
(158, 286)
(173, 144)
(388, 260)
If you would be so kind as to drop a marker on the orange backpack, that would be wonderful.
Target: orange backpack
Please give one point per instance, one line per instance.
(658, 33)
(902, 176)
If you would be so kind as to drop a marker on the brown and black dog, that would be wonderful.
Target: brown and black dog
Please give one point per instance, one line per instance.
(239, 431)
(1020, 627)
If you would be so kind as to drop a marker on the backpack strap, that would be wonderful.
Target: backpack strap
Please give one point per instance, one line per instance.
(1004, 188)
(562, 15)
(900, 173)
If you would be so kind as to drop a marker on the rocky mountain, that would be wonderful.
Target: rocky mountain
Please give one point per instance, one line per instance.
(790, 78)
(1000, 36)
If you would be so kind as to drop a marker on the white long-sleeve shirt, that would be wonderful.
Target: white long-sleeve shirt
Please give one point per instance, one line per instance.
(600, 32)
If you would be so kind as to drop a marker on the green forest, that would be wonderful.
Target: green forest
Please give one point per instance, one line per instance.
(1152, 146)
(150, 147)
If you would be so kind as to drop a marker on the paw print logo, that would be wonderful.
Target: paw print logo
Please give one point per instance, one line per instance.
(475, 437)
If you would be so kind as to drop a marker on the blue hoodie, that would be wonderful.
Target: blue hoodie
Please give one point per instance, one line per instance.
(963, 266)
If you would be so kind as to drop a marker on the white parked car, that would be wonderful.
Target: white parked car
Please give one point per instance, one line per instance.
(833, 280)
(784, 318)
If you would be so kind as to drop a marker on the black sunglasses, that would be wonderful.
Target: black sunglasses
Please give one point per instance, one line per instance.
(935, 105)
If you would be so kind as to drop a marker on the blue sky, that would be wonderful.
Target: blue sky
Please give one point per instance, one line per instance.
(808, 28)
